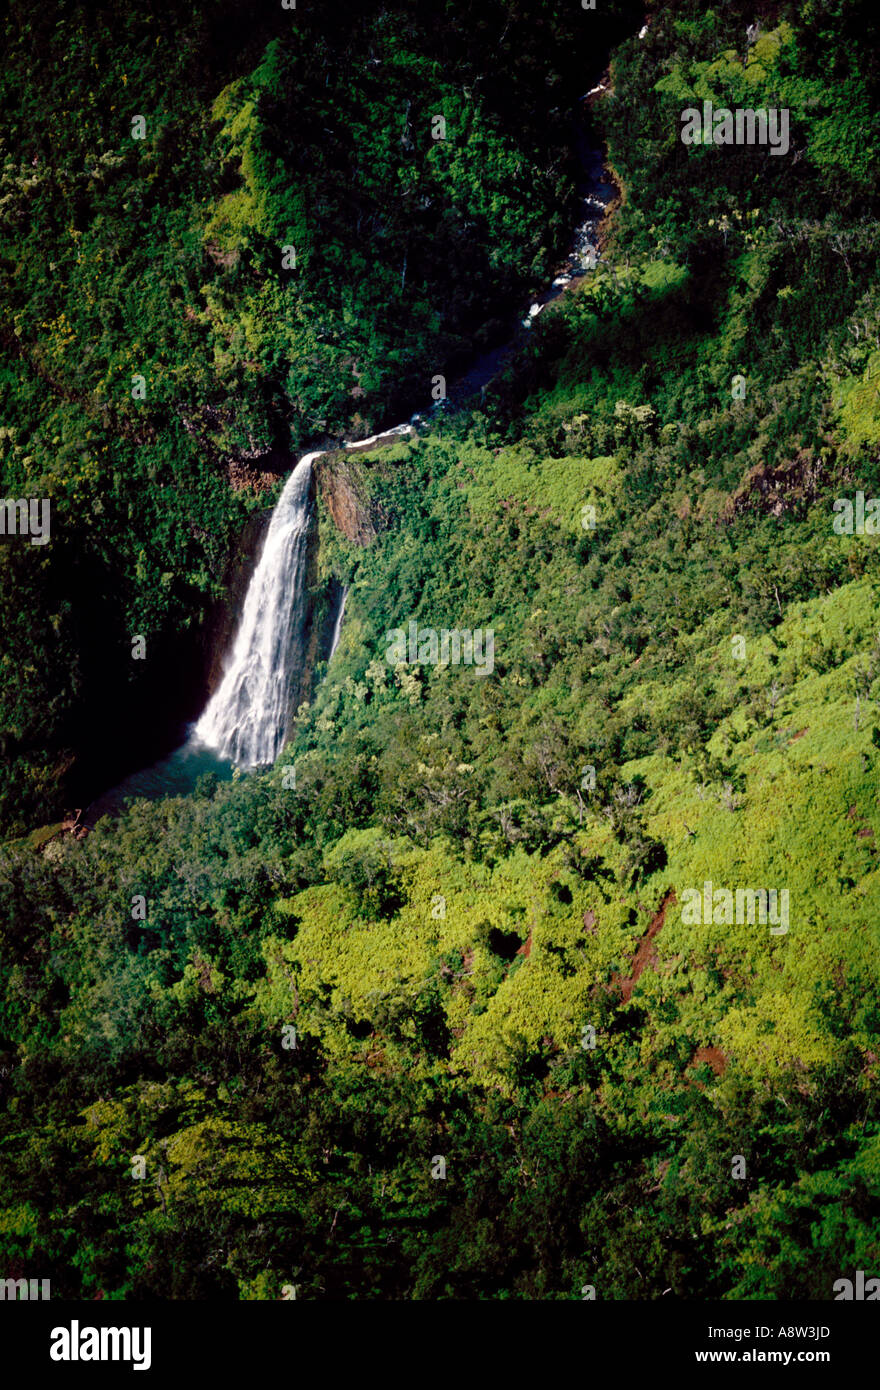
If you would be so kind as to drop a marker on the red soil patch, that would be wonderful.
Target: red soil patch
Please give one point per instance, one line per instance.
(645, 955)
(794, 738)
(713, 1055)
(69, 826)
(526, 948)
(864, 832)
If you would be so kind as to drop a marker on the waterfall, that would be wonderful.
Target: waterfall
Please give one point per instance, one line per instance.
(337, 626)
(245, 721)
(246, 718)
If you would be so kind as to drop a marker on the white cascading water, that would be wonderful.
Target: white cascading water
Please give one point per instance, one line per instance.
(246, 718)
(337, 626)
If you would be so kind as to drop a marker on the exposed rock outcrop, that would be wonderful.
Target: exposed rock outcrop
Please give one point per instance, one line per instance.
(342, 486)
(776, 490)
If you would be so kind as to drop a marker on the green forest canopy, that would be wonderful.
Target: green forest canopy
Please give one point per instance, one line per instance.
(461, 935)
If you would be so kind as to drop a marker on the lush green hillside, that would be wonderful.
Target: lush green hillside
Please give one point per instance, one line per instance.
(466, 933)
(224, 233)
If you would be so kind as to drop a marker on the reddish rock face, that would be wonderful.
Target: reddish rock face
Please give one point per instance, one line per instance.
(245, 476)
(339, 483)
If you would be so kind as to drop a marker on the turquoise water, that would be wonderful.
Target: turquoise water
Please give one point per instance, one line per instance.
(175, 775)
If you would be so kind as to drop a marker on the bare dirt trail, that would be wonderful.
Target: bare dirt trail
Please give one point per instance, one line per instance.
(645, 954)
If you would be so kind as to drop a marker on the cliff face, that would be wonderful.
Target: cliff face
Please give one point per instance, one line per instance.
(341, 483)
(308, 644)
(342, 486)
